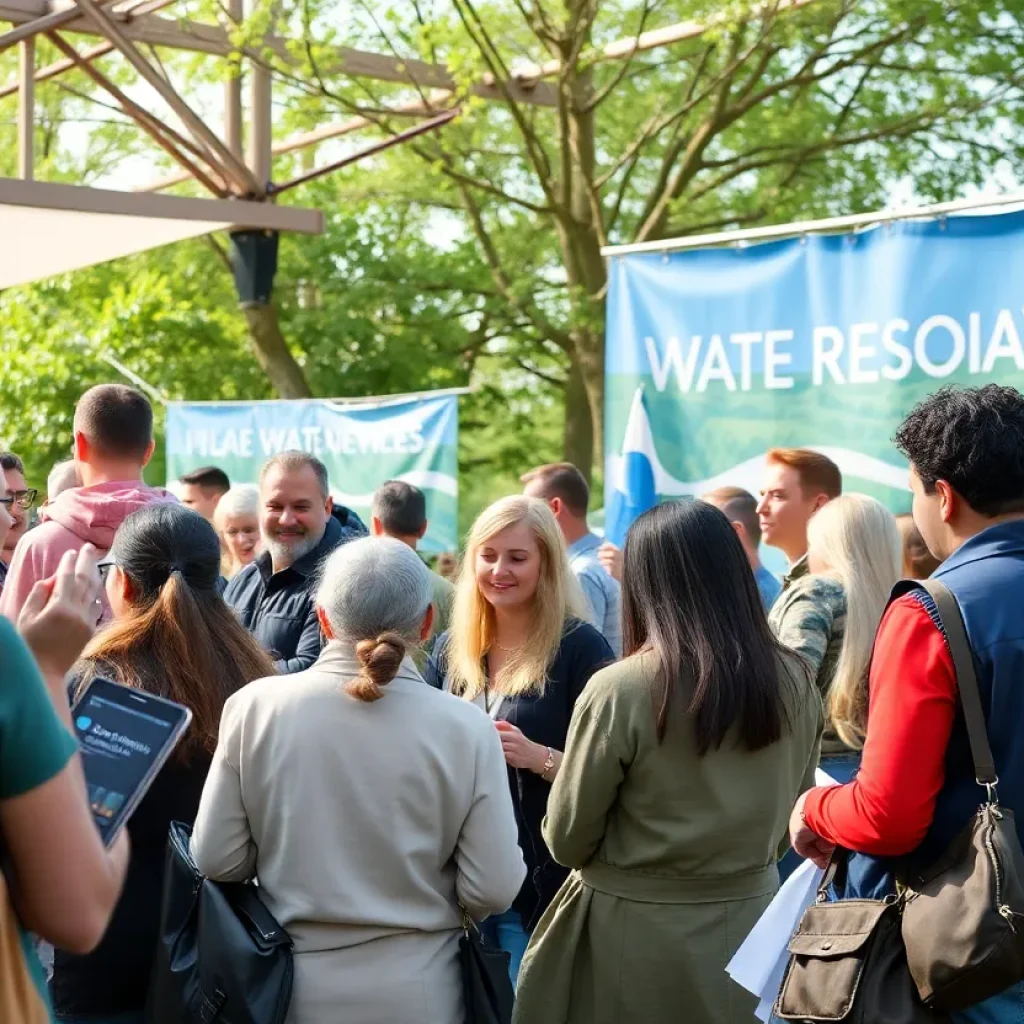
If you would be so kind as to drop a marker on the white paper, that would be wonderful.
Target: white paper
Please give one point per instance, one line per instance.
(760, 963)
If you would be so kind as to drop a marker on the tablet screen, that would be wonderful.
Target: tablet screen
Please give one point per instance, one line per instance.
(125, 736)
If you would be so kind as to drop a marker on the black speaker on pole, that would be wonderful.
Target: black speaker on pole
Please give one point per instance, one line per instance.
(254, 264)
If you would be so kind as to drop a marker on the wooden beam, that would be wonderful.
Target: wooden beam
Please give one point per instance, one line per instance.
(163, 135)
(233, 92)
(261, 118)
(623, 49)
(45, 23)
(200, 37)
(304, 140)
(27, 110)
(527, 85)
(229, 164)
(94, 53)
(378, 147)
(239, 213)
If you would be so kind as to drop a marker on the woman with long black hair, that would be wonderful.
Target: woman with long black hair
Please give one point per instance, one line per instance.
(172, 636)
(674, 792)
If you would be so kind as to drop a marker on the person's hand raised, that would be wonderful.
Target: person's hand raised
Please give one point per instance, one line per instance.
(61, 612)
(611, 558)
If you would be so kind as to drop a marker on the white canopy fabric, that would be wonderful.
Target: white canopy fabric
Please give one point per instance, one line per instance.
(48, 229)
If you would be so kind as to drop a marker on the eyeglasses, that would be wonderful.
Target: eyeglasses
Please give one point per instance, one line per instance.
(26, 499)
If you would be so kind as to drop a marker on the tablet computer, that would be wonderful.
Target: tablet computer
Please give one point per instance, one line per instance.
(125, 737)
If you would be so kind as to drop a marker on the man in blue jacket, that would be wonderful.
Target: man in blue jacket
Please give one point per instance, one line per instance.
(301, 526)
(916, 789)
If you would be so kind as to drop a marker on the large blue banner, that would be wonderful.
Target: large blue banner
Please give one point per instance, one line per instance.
(819, 341)
(361, 443)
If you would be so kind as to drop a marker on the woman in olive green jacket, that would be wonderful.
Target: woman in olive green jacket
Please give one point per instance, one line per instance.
(672, 802)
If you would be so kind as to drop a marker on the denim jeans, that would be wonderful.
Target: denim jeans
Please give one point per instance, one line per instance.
(842, 767)
(506, 932)
(1006, 1008)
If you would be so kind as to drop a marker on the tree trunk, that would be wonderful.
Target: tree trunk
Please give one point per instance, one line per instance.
(588, 363)
(273, 353)
(580, 238)
(578, 437)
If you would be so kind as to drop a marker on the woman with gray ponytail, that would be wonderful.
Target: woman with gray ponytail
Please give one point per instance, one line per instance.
(378, 805)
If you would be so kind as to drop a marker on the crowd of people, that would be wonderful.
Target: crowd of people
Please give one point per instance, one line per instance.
(605, 757)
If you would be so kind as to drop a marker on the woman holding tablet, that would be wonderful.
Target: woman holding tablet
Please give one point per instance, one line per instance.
(174, 637)
(55, 869)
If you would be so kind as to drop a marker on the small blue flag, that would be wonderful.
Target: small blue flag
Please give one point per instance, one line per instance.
(635, 489)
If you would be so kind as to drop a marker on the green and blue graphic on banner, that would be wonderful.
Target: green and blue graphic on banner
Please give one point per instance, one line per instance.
(822, 341)
(361, 443)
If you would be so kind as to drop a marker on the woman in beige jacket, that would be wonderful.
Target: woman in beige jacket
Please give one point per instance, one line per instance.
(369, 806)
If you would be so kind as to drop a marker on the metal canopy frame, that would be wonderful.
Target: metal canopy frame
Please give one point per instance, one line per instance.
(215, 159)
(50, 195)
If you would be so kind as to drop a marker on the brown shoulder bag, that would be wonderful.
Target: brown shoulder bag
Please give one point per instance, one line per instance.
(963, 918)
(847, 964)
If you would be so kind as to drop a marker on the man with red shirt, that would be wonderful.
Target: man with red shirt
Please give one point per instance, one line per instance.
(916, 790)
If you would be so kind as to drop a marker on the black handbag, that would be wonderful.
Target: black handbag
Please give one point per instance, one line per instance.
(486, 986)
(221, 958)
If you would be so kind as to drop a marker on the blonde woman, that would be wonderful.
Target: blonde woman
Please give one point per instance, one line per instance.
(237, 521)
(854, 541)
(519, 648)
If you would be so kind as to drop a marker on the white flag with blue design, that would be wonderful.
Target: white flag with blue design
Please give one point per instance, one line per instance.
(635, 490)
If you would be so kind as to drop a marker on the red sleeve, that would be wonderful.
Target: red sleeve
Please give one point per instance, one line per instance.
(888, 808)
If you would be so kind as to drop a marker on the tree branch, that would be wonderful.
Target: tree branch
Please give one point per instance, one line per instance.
(504, 286)
(501, 75)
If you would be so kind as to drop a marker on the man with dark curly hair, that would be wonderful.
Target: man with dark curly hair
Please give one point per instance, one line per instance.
(916, 788)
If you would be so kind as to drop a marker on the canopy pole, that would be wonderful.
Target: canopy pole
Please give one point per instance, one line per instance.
(27, 109)
(260, 119)
(233, 90)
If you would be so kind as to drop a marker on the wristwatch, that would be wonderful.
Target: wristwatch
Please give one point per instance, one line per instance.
(548, 764)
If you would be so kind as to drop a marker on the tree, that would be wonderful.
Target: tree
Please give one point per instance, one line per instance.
(372, 307)
(773, 112)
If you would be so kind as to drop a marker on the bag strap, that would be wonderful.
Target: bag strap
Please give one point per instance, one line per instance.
(837, 859)
(966, 680)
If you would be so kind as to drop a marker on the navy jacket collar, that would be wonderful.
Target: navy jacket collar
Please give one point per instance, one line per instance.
(1004, 539)
(309, 562)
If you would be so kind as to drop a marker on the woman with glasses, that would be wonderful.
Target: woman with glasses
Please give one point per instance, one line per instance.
(172, 636)
(237, 522)
(16, 500)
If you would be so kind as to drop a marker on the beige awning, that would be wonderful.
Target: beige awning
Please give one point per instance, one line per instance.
(48, 229)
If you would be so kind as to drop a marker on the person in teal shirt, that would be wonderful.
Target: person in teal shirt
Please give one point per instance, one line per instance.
(62, 880)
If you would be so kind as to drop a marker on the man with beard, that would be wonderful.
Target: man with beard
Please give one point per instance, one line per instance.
(300, 526)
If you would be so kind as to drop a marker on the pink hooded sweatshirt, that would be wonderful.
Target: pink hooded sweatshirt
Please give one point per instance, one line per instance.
(82, 515)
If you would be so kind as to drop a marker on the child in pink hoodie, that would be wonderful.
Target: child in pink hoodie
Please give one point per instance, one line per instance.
(82, 515)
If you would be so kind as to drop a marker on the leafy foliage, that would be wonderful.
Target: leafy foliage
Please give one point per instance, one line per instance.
(472, 255)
